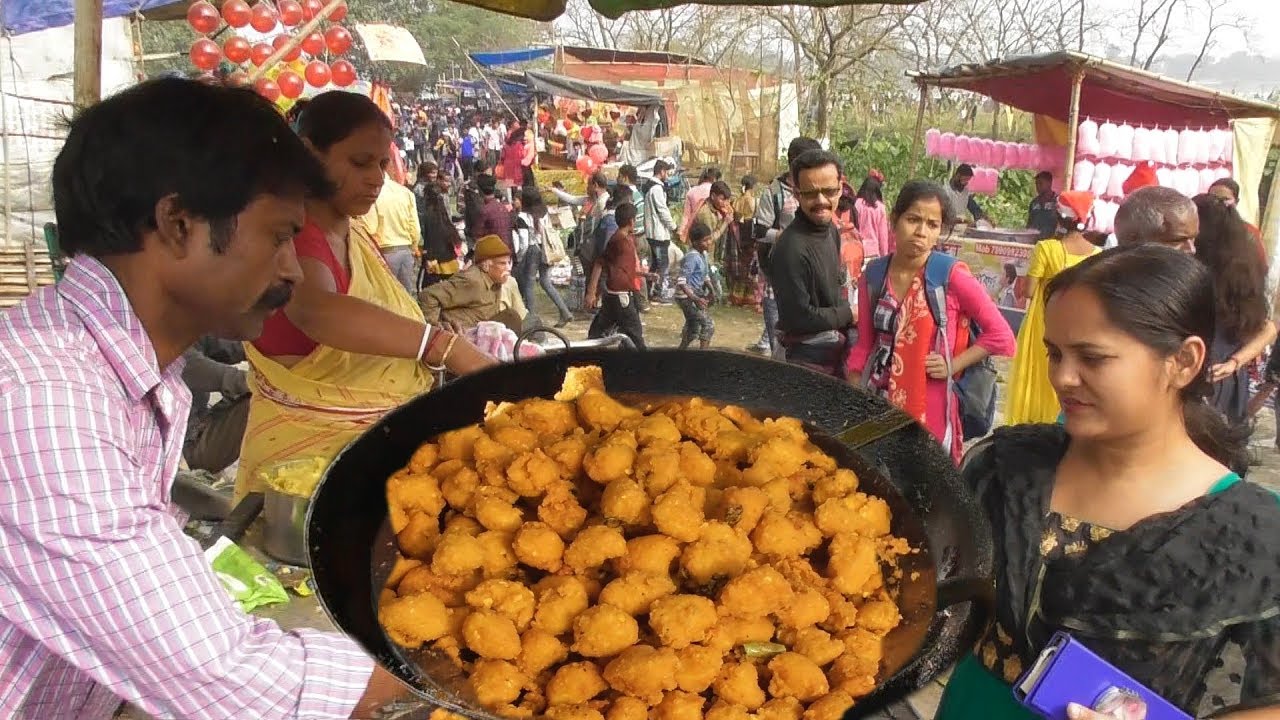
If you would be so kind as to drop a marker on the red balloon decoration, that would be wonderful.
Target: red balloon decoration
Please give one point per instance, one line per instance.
(279, 42)
(337, 39)
(237, 49)
(268, 89)
(318, 73)
(205, 54)
(314, 44)
(290, 12)
(598, 153)
(586, 165)
(236, 13)
(290, 84)
(344, 73)
(339, 13)
(310, 8)
(260, 52)
(203, 17)
(263, 18)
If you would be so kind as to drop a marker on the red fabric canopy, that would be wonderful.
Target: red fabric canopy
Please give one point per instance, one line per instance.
(1041, 84)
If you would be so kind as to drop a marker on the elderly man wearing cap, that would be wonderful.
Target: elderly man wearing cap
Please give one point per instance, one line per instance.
(484, 291)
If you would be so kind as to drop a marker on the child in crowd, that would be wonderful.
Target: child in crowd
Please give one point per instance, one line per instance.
(694, 289)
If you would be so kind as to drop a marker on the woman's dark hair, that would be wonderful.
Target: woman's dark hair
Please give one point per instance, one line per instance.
(1160, 297)
(161, 138)
(918, 190)
(1226, 248)
(332, 116)
(1229, 184)
(811, 159)
(749, 182)
(871, 191)
(722, 189)
(532, 203)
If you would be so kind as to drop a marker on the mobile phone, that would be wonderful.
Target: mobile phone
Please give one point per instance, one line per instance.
(1068, 672)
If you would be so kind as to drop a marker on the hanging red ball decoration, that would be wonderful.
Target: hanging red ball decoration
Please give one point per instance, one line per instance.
(337, 39)
(310, 8)
(264, 18)
(203, 17)
(290, 12)
(205, 54)
(344, 73)
(237, 49)
(290, 84)
(268, 89)
(282, 40)
(314, 44)
(339, 13)
(260, 52)
(236, 13)
(318, 73)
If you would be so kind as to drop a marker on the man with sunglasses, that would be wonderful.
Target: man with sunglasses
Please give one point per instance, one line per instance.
(814, 316)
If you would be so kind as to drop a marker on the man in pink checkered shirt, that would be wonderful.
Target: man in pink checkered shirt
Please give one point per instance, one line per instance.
(178, 203)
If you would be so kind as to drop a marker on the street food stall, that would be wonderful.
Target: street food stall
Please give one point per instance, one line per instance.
(1095, 121)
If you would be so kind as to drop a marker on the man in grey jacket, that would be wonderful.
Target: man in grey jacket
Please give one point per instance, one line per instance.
(774, 212)
(660, 227)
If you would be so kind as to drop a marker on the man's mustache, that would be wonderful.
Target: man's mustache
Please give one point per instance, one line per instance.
(276, 297)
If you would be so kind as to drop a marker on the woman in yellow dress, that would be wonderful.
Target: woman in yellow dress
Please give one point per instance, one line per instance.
(1030, 398)
(352, 343)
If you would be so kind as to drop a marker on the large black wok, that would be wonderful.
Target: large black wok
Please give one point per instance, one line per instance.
(946, 589)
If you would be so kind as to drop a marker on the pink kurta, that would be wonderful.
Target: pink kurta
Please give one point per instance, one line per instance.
(873, 225)
(966, 298)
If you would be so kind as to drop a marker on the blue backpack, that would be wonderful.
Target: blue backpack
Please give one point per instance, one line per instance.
(975, 389)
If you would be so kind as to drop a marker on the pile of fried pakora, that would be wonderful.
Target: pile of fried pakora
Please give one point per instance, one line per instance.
(580, 558)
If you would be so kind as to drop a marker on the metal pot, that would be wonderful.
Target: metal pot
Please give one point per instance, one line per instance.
(285, 527)
(945, 596)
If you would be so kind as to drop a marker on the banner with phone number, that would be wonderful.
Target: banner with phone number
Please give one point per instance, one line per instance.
(1001, 267)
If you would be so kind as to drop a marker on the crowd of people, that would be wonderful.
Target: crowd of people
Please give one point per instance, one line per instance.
(1127, 521)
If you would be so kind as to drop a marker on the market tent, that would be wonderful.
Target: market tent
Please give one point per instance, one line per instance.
(508, 57)
(551, 84)
(1041, 84)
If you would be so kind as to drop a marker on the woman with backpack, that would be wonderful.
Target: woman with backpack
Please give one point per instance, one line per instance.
(532, 226)
(916, 312)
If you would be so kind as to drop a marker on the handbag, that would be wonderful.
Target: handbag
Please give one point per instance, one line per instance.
(552, 244)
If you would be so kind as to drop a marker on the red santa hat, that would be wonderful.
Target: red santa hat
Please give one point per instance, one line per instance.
(1144, 175)
(1075, 205)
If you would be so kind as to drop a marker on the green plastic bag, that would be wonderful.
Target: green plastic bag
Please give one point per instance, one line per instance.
(245, 579)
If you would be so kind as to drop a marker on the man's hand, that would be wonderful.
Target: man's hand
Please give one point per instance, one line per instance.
(702, 302)
(1223, 370)
(591, 301)
(935, 366)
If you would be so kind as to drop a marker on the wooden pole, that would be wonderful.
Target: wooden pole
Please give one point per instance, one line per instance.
(295, 41)
(1073, 120)
(87, 43)
(915, 138)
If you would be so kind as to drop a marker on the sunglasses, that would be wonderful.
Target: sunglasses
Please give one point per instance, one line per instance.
(828, 193)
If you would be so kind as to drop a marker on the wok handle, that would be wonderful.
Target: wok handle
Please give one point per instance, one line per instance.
(524, 336)
(980, 591)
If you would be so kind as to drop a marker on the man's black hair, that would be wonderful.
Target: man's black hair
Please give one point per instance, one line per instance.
(811, 159)
(698, 231)
(964, 170)
(660, 165)
(800, 146)
(629, 173)
(599, 180)
(216, 148)
(709, 174)
(1044, 175)
(487, 185)
(625, 214)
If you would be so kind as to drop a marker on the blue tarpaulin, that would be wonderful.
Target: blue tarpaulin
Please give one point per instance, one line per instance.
(24, 16)
(507, 57)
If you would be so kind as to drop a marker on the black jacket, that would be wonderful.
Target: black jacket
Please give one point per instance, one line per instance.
(805, 272)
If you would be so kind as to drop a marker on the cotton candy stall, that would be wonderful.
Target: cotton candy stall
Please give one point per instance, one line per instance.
(1186, 159)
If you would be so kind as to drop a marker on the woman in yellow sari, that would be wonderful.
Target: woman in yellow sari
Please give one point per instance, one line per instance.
(352, 343)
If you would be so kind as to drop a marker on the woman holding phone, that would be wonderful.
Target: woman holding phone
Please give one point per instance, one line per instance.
(1128, 527)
